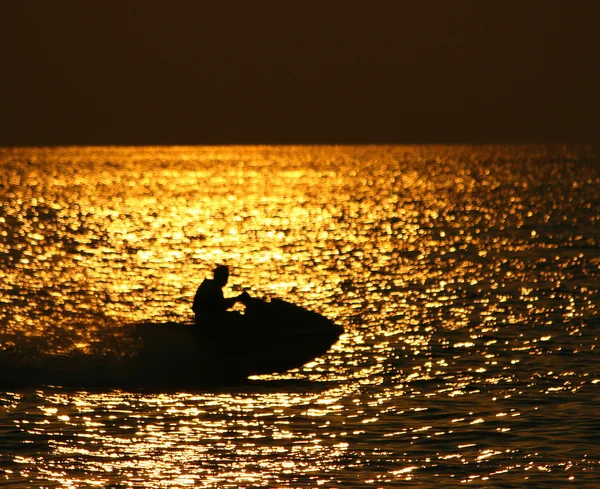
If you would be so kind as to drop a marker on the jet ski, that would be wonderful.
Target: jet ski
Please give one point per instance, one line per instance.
(270, 337)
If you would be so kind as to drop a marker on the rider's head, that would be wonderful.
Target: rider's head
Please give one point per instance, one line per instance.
(221, 275)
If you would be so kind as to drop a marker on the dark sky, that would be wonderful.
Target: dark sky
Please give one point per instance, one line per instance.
(298, 71)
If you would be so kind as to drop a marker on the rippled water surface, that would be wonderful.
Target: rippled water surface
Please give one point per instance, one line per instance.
(466, 279)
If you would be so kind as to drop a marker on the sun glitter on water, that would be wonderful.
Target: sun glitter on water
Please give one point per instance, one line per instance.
(466, 280)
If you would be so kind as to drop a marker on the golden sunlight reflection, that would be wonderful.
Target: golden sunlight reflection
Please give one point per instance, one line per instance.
(186, 426)
(466, 281)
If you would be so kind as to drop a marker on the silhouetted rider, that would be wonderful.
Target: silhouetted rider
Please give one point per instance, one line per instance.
(209, 301)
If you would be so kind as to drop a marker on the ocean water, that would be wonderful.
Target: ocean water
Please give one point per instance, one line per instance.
(466, 279)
